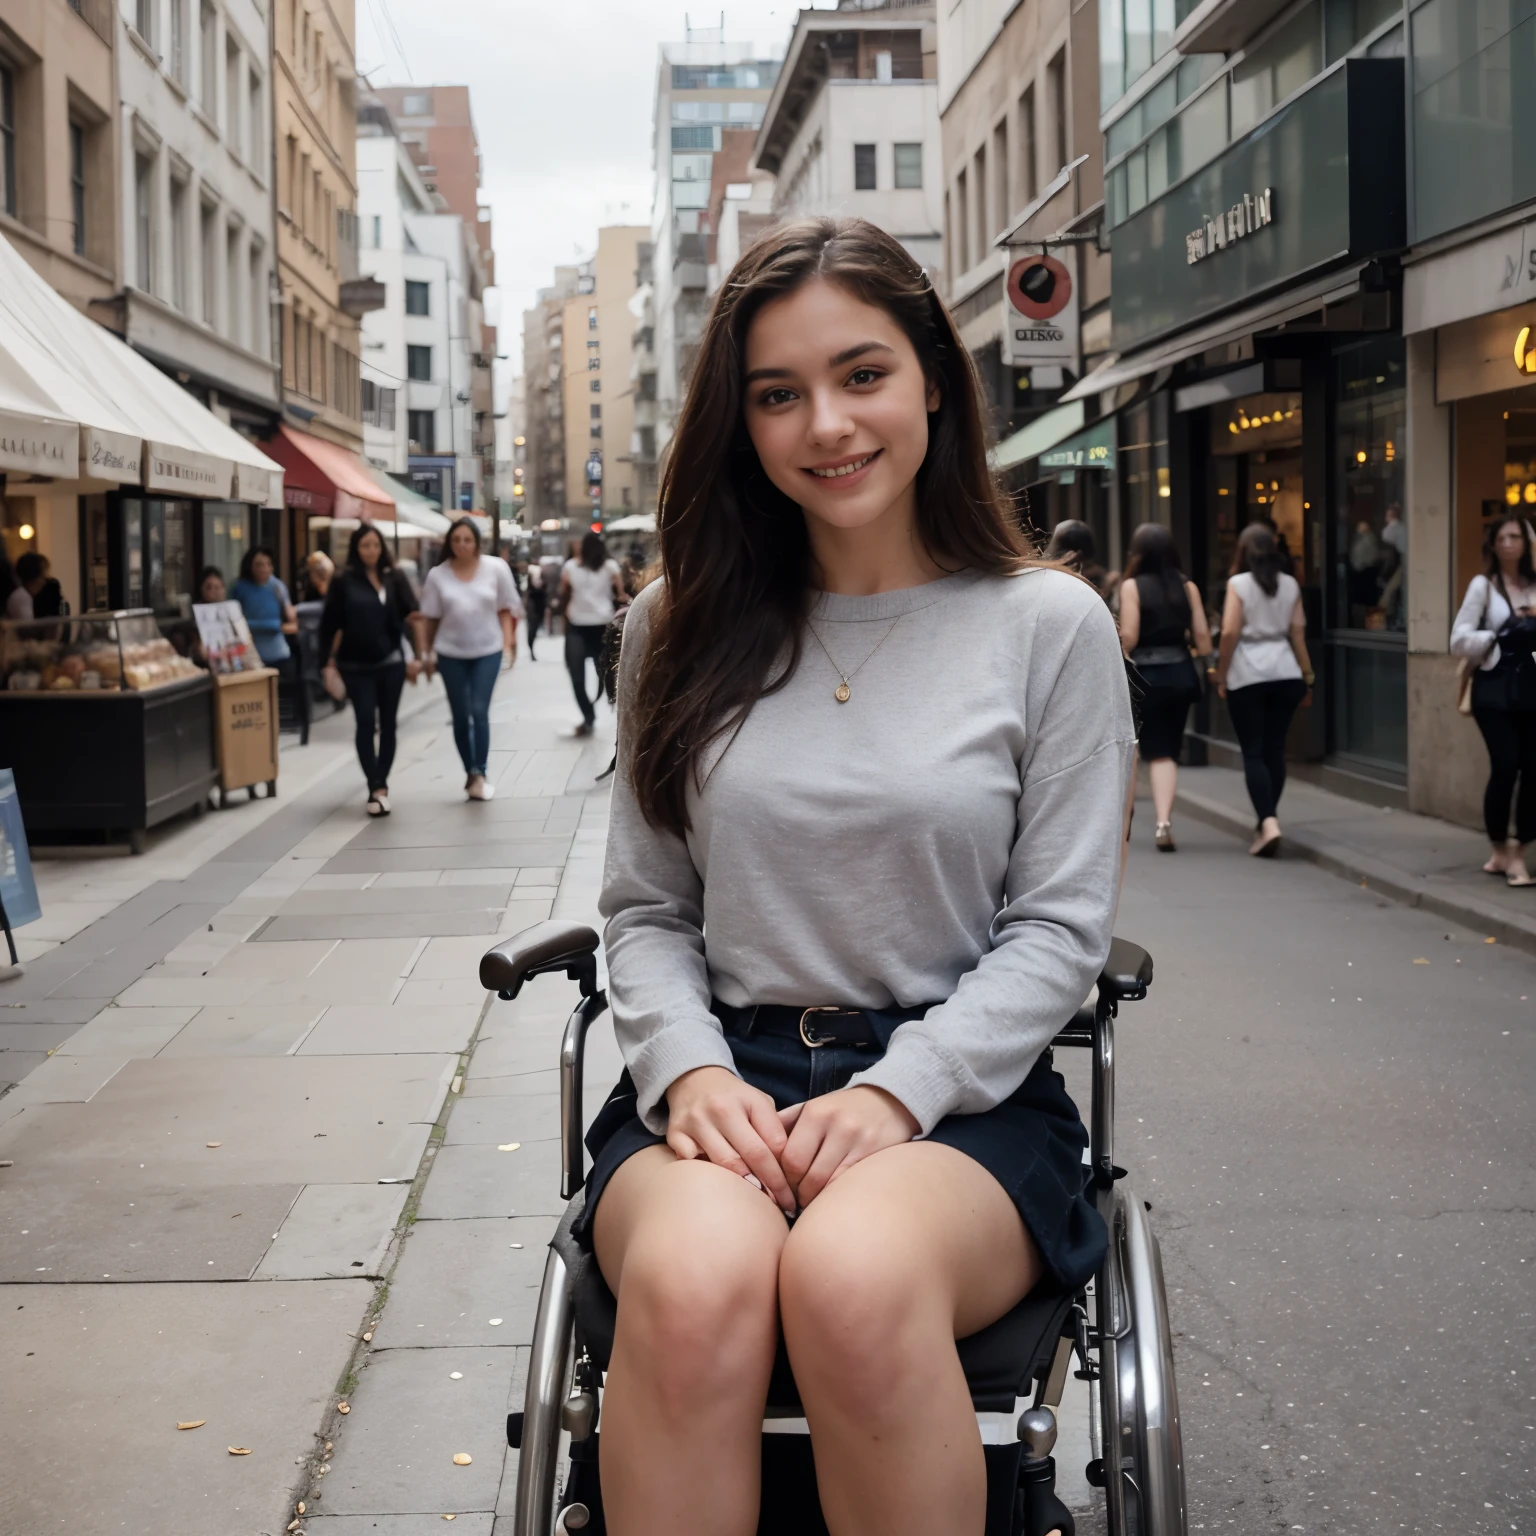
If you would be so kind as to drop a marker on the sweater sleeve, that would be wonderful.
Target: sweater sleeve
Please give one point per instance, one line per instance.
(653, 901)
(1052, 936)
(1469, 636)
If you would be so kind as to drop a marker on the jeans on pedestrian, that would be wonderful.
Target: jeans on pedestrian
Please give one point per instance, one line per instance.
(1510, 736)
(1261, 715)
(470, 681)
(375, 695)
(584, 642)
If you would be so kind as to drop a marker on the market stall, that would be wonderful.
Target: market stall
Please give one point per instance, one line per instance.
(107, 729)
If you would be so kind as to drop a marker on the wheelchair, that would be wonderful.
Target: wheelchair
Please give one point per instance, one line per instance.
(1116, 1329)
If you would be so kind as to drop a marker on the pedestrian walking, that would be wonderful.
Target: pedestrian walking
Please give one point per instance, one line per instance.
(537, 599)
(1161, 618)
(363, 638)
(470, 609)
(591, 591)
(1073, 544)
(319, 571)
(1263, 671)
(860, 870)
(1495, 635)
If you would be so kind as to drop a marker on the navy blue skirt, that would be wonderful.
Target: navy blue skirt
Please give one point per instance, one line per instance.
(1032, 1143)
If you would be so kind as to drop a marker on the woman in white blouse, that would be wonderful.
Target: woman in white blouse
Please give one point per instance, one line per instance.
(471, 608)
(1493, 634)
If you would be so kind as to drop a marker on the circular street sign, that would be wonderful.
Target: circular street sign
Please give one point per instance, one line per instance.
(1039, 286)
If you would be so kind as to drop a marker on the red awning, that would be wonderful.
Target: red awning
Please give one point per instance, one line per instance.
(324, 478)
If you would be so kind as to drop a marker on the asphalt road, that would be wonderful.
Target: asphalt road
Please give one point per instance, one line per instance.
(1337, 1141)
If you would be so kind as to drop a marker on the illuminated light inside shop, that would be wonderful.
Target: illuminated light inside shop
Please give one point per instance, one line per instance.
(1525, 354)
(1512, 495)
(26, 531)
(1530, 492)
(1232, 427)
(1360, 457)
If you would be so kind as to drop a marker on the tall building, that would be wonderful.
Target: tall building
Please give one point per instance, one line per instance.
(198, 254)
(703, 85)
(599, 407)
(852, 126)
(544, 373)
(438, 131)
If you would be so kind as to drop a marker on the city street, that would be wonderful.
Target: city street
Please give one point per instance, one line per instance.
(298, 1162)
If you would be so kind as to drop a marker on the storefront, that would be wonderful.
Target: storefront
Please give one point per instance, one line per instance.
(1260, 376)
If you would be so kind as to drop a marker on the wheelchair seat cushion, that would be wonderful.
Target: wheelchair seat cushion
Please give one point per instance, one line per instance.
(999, 1362)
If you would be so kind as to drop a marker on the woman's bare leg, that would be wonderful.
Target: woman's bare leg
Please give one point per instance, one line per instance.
(905, 1252)
(1164, 775)
(692, 1253)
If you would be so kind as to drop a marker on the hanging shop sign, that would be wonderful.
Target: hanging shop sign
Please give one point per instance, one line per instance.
(1093, 449)
(1227, 228)
(1040, 320)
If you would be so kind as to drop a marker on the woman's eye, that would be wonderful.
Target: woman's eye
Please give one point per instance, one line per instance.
(776, 396)
(864, 376)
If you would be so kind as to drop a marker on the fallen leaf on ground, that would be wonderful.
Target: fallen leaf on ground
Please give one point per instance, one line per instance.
(510, 1146)
(293, 1525)
(367, 1338)
(495, 1322)
(239, 1450)
(190, 1423)
(450, 1517)
(456, 1375)
(463, 1459)
(301, 1506)
(1421, 961)
(1490, 941)
(213, 1143)
(458, 1083)
(343, 1408)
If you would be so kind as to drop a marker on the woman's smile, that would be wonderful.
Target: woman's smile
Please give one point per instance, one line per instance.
(845, 472)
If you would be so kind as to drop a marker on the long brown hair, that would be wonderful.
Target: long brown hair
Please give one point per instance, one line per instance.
(1258, 552)
(734, 551)
(1527, 566)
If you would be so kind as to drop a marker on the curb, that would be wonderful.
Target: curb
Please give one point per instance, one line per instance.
(1360, 868)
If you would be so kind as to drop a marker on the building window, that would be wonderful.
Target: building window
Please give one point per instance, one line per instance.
(179, 245)
(909, 165)
(7, 140)
(962, 225)
(232, 284)
(596, 386)
(417, 298)
(1002, 189)
(592, 318)
(257, 136)
(597, 413)
(77, 184)
(1056, 90)
(593, 363)
(418, 364)
(416, 104)
(210, 247)
(208, 85)
(864, 167)
(1027, 148)
(144, 20)
(421, 429)
(378, 232)
(143, 220)
(178, 42)
(258, 341)
(233, 117)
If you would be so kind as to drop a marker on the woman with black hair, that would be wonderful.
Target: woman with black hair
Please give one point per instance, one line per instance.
(1495, 635)
(861, 867)
(1160, 613)
(1263, 671)
(269, 611)
(1072, 543)
(591, 592)
(363, 636)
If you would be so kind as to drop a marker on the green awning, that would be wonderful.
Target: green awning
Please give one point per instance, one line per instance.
(1093, 449)
(1042, 433)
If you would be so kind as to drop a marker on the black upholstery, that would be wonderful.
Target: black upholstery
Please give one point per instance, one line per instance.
(1000, 1362)
(548, 946)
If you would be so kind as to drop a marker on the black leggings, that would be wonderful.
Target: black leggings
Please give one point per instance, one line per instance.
(1510, 735)
(583, 641)
(375, 695)
(1261, 715)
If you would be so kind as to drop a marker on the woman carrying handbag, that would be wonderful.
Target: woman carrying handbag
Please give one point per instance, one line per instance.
(1495, 635)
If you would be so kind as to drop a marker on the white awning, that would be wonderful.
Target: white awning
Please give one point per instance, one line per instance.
(636, 522)
(130, 423)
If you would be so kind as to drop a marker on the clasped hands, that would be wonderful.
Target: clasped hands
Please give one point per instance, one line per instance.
(794, 1153)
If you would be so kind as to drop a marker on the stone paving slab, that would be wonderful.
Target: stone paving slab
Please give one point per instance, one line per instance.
(253, 1029)
(70, 1079)
(34, 1037)
(476, 1523)
(128, 1032)
(455, 1276)
(98, 1376)
(526, 1115)
(451, 959)
(340, 925)
(65, 1232)
(356, 1030)
(335, 1231)
(447, 899)
(440, 991)
(410, 1418)
(480, 1181)
(481, 854)
(325, 1120)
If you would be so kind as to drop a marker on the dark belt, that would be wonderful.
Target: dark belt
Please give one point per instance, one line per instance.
(812, 1027)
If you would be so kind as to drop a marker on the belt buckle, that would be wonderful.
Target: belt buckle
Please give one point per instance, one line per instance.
(806, 1040)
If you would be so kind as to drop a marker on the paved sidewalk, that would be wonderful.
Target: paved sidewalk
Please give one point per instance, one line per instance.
(257, 1032)
(1419, 860)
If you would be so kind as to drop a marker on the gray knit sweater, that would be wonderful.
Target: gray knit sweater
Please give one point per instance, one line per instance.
(950, 835)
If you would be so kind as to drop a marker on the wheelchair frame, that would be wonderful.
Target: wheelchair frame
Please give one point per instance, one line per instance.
(1126, 1354)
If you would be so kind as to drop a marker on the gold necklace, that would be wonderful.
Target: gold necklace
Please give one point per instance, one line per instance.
(842, 693)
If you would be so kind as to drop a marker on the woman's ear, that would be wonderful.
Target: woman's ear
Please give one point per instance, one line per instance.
(935, 397)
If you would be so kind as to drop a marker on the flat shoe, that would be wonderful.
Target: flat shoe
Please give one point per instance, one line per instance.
(1516, 885)
(374, 808)
(1266, 850)
(1163, 836)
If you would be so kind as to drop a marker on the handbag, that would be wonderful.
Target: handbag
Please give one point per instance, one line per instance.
(331, 680)
(1468, 667)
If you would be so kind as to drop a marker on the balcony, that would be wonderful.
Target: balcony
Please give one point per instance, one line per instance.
(360, 296)
(97, 15)
(645, 413)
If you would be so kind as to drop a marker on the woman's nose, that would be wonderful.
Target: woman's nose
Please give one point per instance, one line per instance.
(830, 421)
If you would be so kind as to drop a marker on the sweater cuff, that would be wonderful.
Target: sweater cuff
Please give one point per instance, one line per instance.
(678, 1048)
(920, 1075)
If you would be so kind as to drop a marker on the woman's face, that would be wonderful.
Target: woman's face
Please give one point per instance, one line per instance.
(462, 544)
(369, 548)
(1509, 542)
(212, 590)
(836, 404)
(261, 570)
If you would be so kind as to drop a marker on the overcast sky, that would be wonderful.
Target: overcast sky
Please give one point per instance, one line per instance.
(562, 93)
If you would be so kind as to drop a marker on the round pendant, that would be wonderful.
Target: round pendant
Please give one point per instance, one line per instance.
(843, 693)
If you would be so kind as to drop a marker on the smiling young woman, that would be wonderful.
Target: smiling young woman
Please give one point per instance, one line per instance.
(862, 865)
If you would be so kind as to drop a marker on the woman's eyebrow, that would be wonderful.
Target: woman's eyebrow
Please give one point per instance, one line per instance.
(847, 355)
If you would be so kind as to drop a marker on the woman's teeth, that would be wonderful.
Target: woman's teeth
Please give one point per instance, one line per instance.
(842, 469)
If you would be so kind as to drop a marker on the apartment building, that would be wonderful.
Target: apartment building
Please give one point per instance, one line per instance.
(852, 125)
(58, 155)
(544, 401)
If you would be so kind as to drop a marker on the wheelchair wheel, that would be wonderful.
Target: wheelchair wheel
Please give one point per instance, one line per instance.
(1139, 1401)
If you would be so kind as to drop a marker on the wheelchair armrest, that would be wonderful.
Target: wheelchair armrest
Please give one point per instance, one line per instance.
(548, 946)
(1127, 972)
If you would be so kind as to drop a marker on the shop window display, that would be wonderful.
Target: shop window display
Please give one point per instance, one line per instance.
(96, 653)
(1371, 537)
(1255, 476)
